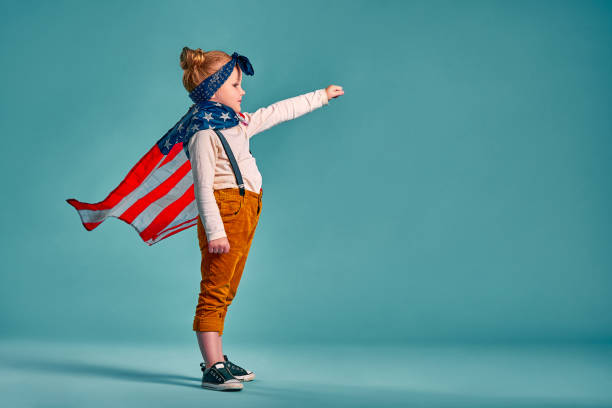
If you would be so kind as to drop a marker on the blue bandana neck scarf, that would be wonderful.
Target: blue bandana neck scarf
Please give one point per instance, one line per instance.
(206, 114)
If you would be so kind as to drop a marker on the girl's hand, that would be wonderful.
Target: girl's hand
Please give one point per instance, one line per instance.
(334, 91)
(219, 246)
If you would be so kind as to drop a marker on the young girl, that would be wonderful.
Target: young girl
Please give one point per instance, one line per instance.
(228, 195)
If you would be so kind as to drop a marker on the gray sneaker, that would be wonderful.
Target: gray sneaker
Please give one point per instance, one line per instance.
(218, 377)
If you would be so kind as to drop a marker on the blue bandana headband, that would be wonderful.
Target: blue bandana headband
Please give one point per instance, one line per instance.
(207, 88)
(205, 114)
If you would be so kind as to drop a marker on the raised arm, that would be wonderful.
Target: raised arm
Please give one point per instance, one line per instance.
(281, 111)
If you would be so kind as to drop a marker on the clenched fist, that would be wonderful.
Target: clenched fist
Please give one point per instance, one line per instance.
(334, 91)
(219, 246)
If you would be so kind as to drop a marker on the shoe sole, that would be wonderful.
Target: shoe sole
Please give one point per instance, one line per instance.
(223, 387)
(248, 377)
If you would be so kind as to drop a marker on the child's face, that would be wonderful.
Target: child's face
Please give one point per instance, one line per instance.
(230, 93)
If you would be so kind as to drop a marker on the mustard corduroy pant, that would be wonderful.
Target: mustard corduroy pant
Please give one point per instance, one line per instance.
(221, 273)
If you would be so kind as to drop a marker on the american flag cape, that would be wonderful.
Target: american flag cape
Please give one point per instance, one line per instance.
(156, 197)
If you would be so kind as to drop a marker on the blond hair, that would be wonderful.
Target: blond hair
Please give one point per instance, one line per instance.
(199, 65)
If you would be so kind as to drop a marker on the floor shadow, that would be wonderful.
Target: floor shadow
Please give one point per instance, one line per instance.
(299, 393)
(99, 370)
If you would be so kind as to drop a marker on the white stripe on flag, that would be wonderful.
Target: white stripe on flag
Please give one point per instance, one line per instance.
(165, 234)
(190, 211)
(143, 219)
(155, 178)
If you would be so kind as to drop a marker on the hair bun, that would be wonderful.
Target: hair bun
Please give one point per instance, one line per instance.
(191, 59)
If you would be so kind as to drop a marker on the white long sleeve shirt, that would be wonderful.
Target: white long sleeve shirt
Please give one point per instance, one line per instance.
(211, 167)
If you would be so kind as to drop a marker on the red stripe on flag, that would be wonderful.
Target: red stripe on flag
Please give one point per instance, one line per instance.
(172, 153)
(161, 190)
(91, 225)
(88, 225)
(167, 215)
(175, 231)
(176, 226)
(131, 181)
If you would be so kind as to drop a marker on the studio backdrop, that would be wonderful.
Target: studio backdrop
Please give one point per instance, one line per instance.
(458, 191)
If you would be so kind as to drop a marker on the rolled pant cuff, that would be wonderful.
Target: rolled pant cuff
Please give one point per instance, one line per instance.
(204, 324)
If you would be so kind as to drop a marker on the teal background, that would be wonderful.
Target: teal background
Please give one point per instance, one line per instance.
(458, 191)
(438, 236)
